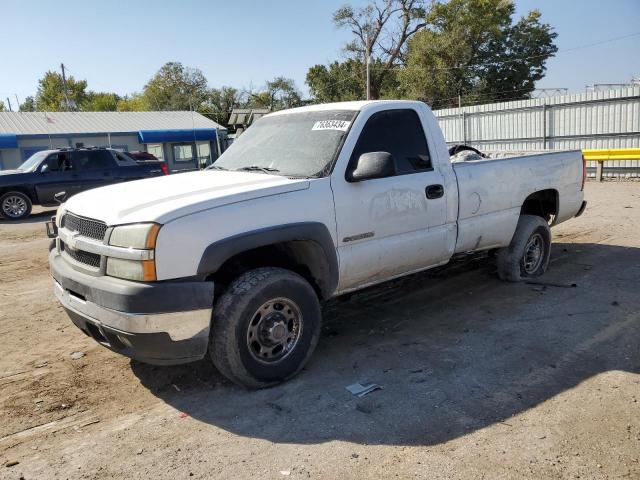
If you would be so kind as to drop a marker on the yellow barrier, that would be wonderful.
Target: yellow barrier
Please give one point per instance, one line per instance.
(607, 154)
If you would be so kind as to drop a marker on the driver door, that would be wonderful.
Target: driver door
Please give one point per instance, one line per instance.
(57, 176)
(395, 225)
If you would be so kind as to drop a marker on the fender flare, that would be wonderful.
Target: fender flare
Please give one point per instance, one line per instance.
(217, 253)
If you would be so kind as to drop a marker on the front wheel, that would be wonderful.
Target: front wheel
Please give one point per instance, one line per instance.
(265, 327)
(15, 205)
(527, 256)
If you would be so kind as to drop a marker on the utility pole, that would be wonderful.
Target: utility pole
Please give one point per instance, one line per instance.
(459, 101)
(17, 102)
(9, 102)
(64, 87)
(368, 54)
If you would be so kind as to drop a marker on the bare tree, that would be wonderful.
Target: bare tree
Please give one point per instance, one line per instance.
(385, 24)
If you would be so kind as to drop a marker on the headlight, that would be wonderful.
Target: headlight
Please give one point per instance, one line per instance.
(139, 236)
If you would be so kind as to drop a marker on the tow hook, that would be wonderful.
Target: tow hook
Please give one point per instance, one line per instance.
(52, 229)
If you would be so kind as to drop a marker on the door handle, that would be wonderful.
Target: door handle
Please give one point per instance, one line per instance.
(434, 191)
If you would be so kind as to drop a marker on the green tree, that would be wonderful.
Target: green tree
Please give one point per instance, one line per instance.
(2, 107)
(219, 104)
(283, 93)
(344, 81)
(473, 49)
(101, 102)
(277, 94)
(176, 87)
(52, 97)
(29, 105)
(134, 103)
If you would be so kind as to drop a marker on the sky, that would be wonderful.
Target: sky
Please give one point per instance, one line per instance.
(118, 45)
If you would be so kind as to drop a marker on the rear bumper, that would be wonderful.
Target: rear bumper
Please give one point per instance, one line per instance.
(160, 323)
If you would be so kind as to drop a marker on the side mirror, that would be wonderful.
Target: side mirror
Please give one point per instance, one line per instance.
(373, 165)
(44, 168)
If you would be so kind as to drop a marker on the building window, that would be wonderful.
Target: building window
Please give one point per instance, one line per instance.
(183, 153)
(204, 154)
(156, 150)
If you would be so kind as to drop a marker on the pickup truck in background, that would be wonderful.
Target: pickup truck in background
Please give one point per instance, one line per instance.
(49, 172)
(234, 262)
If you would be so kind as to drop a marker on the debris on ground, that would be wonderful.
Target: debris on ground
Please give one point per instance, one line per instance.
(11, 463)
(552, 284)
(77, 355)
(360, 390)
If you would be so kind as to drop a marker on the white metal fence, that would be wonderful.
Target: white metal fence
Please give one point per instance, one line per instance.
(607, 119)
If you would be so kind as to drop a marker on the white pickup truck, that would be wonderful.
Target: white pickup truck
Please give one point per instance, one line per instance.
(308, 204)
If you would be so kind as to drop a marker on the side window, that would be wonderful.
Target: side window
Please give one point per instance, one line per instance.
(398, 132)
(53, 163)
(92, 160)
(58, 162)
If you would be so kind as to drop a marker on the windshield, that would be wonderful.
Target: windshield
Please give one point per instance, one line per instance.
(33, 161)
(292, 144)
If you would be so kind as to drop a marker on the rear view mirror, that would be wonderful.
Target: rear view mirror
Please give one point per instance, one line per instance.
(373, 165)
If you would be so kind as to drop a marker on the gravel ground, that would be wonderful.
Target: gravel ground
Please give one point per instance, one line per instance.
(481, 379)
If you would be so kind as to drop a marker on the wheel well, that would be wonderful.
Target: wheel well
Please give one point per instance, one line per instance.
(18, 189)
(543, 203)
(304, 257)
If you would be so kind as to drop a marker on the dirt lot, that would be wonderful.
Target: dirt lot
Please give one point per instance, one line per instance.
(481, 379)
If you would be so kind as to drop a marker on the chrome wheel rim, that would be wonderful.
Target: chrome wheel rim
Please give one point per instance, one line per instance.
(533, 253)
(14, 206)
(274, 330)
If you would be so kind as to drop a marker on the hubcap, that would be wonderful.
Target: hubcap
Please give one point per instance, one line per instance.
(14, 206)
(274, 330)
(533, 253)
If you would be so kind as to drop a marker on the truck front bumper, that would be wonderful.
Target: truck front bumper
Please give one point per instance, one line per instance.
(161, 323)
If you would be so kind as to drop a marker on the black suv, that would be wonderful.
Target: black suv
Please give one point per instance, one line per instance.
(73, 170)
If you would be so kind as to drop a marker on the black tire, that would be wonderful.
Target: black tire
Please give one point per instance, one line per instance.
(15, 205)
(519, 260)
(239, 329)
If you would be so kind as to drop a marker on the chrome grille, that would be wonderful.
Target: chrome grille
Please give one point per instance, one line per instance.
(85, 226)
(86, 258)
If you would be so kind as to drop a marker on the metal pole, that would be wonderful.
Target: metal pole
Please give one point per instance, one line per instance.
(464, 129)
(9, 102)
(64, 87)
(544, 126)
(368, 53)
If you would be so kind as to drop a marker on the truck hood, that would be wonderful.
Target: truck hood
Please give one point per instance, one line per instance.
(162, 199)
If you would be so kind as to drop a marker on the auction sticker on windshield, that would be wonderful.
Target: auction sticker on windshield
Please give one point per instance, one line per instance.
(342, 125)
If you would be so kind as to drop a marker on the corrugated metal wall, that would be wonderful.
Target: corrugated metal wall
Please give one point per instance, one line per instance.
(607, 119)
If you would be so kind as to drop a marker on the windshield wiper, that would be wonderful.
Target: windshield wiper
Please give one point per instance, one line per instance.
(256, 168)
(215, 167)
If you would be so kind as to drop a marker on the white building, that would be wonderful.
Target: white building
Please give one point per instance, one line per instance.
(185, 140)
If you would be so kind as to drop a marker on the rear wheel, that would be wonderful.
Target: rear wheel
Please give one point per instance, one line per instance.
(527, 256)
(15, 205)
(265, 327)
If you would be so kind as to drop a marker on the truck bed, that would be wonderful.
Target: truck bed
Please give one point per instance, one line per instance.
(491, 193)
